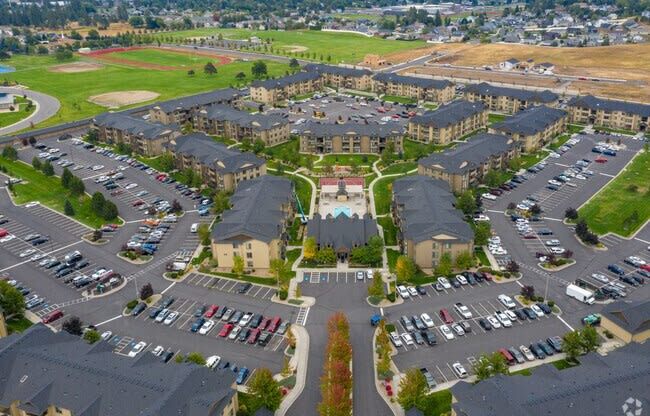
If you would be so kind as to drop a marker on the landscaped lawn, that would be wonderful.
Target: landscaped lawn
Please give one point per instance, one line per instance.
(165, 57)
(341, 47)
(289, 152)
(482, 257)
(390, 231)
(574, 128)
(369, 178)
(402, 167)
(74, 89)
(437, 404)
(623, 205)
(531, 159)
(415, 150)
(495, 118)
(383, 191)
(399, 99)
(7, 119)
(559, 141)
(348, 160)
(49, 192)
(18, 325)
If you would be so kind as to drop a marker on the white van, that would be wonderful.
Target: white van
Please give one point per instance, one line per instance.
(194, 228)
(212, 362)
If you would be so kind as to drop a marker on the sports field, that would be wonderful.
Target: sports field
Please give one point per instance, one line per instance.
(74, 89)
(342, 47)
(163, 59)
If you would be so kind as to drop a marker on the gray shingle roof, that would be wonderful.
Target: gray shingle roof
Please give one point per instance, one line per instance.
(449, 114)
(428, 209)
(530, 121)
(430, 83)
(287, 80)
(312, 128)
(542, 97)
(634, 317)
(598, 386)
(337, 70)
(215, 154)
(40, 368)
(133, 125)
(471, 154)
(200, 100)
(256, 209)
(342, 232)
(594, 103)
(221, 112)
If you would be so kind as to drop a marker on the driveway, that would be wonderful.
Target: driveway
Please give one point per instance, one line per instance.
(46, 107)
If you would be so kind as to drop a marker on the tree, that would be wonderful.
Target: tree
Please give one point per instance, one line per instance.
(4, 55)
(68, 209)
(258, 146)
(590, 339)
(412, 389)
(482, 233)
(512, 266)
(10, 152)
(91, 336)
(405, 268)
(11, 300)
(73, 325)
(464, 260)
(326, 255)
(376, 288)
(191, 73)
(77, 186)
(388, 154)
(196, 358)
(482, 368)
(66, 177)
(444, 265)
(466, 203)
(259, 69)
(535, 210)
(238, 265)
(240, 76)
(204, 234)
(210, 69)
(572, 345)
(571, 213)
(146, 291)
(176, 207)
(286, 368)
(499, 364)
(294, 65)
(278, 269)
(528, 292)
(47, 168)
(63, 54)
(309, 248)
(492, 178)
(109, 211)
(265, 390)
(97, 202)
(36, 163)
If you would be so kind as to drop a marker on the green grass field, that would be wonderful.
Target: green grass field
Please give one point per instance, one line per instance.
(622, 206)
(390, 231)
(347, 160)
(495, 118)
(342, 47)
(7, 119)
(163, 57)
(73, 90)
(402, 167)
(559, 141)
(399, 99)
(383, 191)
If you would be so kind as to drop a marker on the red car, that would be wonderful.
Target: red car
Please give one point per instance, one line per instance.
(117, 192)
(265, 322)
(211, 311)
(601, 160)
(252, 338)
(3, 232)
(646, 267)
(275, 323)
(226, 330)
(138, 203)
(52, 316)
(446, 316)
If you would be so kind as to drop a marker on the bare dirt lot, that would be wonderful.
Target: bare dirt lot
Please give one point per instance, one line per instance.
(488, 76)
(121, 98)
(75, 67)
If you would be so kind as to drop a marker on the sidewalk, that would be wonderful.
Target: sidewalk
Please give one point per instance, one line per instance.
(299, 361)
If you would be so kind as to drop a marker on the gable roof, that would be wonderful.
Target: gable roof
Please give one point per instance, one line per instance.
(449, 114)
(298, 77)
(594, 103)
(221, 96)
(40, 368)
(530, 121)
(469, 155)
(328, 130)
(634, 317)
(221, 112)
(426, 209)
(541, 97)
(217, 155)
(600, 385)
(134, 125)
(430, 83)
(256, 210)
(342, 232)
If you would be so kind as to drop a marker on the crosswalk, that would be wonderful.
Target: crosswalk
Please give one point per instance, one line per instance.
(301, 318)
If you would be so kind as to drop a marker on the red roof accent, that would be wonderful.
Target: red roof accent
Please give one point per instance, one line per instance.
(335, 181)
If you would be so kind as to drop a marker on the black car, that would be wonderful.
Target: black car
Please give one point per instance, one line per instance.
(139, 308)
(548, 349)
(644, 273)
(537, 351)
(555, 342)
(63, 272)
(39, 241)
(166, 356)
(81, 265)
(455, 283)
(478, 277)
(484, 324)
(545, 308)
(256, 320)
(154, 312)
(629, 280)
(3, 221)
(418, 338)
(429, 337)
(264, 339)
(421, 290)
(243, 334)
(199, 311)
(471, 280)
(167, 302)
(530, 313)
(244, 287)
(219, 313)
(51, 264)
(60, 267)
(640, 280)
(236, 317)
(520, 314)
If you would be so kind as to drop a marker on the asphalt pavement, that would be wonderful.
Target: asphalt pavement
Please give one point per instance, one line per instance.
(47, 107)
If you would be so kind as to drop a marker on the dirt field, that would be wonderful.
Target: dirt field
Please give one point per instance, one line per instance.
(113, 29)
(75, 67)
(488, 76)
(295, 48)
(121, 98)
(107, 56)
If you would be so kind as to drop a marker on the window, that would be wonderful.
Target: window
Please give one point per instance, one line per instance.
(447, 245)
(249, 255)
(249, 264)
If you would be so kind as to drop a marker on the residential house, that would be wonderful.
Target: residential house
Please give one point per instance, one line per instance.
(609, 113)
(510, 64)
(628, 321)
(508, 100)
(255, 227)
(466, 165)
(342, 233)
(218, 166)
(273, 91)
(534, 127)
(180, 110)
(231, 123)
(448, 122)
(349, 138)
(145, 138)
(6, 101)
(427, 89)
(430, 227)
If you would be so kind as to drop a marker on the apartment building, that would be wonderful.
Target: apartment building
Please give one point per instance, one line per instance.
(145, 138)
(219, 167)
(508, 100)
(609, 113)
(342, 77)
(272, 91)
(230, 123)
(349, 138)
(254, 229)
(466, 165)
(534, 127)
(427, 89)
(180, 110)
(627, 320)
(449, 122)
(429, 225)
(58, 374)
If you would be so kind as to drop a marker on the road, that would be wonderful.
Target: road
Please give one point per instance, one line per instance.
(46, 107)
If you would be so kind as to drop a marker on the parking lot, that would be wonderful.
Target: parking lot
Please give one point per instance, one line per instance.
(229, 286)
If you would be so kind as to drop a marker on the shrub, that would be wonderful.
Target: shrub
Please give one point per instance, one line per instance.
(551, 303)
(608, 334)
(132, 304)
(283, 294)
(391, 296)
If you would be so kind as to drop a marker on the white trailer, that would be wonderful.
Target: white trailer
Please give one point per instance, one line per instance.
(583, 295)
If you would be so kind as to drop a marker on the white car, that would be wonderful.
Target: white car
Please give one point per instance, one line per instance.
(446, 332)
(235, 332)
(162, 315)
(412, 291)
(369, 273)
(507, 301)
(493, 321)
(459, 370)
(504, 320)
(511, 315)
(106, 335)
(489, 197)
(557, 250)
(78, 167)
(461, 279)
(26, 253)
(7, 238)
(207, 327)
(458, 329)
(403, 292)
(37, 257)
(32, 204)
(408, 339)
(97, 167)
(158, 351)
(463, 310)
(527, 353)
(600, 277)
(444, 282)
(426, 319)
(552, 243)
(130, 186)
(212, 362)
(99, 273)
(245, 319)
(538, 311)
(138, 348)
(171, 318)
(54, 150)
(194, 228)
(395, 339)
